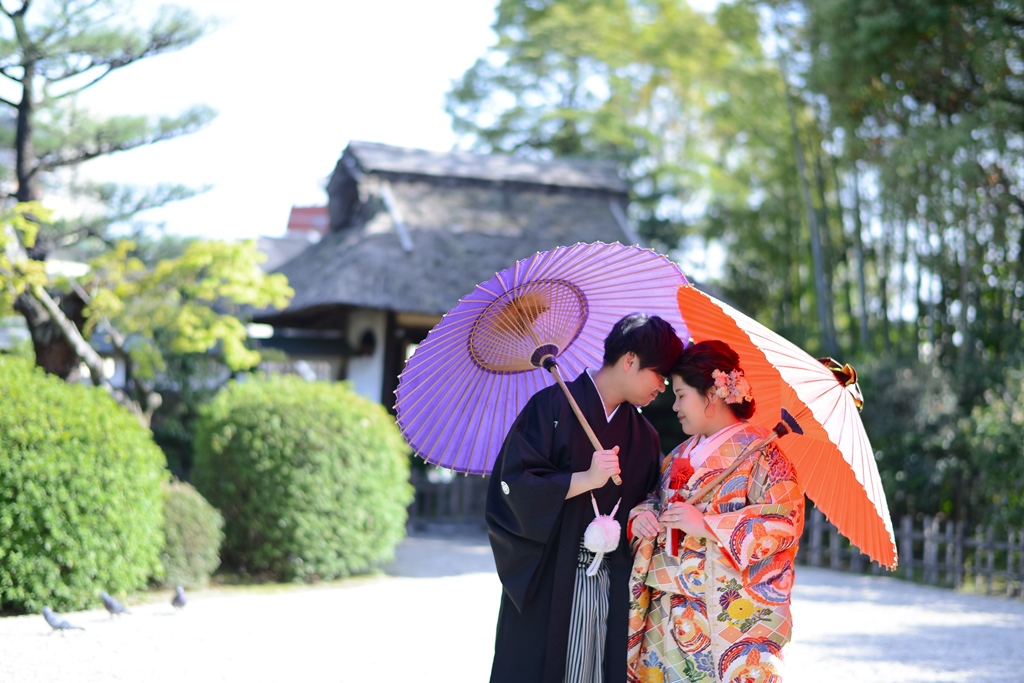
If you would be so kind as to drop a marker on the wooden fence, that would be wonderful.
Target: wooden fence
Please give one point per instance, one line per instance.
(443, 500)
(931, 551)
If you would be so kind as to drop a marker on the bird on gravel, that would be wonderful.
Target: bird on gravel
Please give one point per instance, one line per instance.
(112, 605)
(58, 622)
(178, 601)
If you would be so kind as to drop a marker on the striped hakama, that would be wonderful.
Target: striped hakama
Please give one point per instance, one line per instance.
(588, 623)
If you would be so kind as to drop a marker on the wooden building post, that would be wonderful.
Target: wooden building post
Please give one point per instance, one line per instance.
(949, 554)
(905, 543)
(835, 555)
(931, 550)
(958, 555)
(817, 520)
(990, 559)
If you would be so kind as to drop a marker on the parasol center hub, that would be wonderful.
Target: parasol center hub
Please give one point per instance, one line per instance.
(520, 327)
(544, 356)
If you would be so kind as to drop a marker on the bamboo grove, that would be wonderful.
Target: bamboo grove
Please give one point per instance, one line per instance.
(858, 165)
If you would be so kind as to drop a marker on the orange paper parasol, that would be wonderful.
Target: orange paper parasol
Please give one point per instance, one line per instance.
(834, 458)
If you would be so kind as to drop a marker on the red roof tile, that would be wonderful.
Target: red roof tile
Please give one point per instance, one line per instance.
(306, 218)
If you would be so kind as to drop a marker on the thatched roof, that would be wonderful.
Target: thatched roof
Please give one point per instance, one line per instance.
(413, 231)
(373, 157)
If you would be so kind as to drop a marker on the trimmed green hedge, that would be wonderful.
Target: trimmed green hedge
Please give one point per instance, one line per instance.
(312, 479)
(80, 501)
(194, 532)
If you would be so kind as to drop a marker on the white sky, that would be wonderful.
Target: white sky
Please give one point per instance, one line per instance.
(294, 83)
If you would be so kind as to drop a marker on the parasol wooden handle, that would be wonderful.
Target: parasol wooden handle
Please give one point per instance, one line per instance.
(747, 452)
(553, 369)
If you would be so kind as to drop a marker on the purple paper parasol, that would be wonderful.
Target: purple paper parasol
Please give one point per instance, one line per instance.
(464, 386)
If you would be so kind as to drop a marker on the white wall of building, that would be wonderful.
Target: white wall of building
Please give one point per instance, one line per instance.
(367, 372)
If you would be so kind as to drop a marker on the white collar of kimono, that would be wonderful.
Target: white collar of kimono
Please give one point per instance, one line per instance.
(608, 417)
(703, 446)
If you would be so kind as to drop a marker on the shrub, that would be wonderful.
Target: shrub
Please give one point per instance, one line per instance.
(311, 478)
(194, 531)
(995, 435)
(80, 503)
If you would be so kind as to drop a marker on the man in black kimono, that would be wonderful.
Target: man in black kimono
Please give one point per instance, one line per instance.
(538, 507)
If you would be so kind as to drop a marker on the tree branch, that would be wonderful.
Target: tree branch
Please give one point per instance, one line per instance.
(1008, 18)
(74, 337)
(176, 38)
(3, 72)
(148, 399)
(75, 91)
(1009, 99)
(91, 230)
(55, 161)
(88, 354)
(67, 18)
(70, 331)
(16, 13)
(15, 253)
(71, 74)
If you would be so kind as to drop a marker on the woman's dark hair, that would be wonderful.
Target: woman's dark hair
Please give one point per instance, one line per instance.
(698, 361)
(651, 338)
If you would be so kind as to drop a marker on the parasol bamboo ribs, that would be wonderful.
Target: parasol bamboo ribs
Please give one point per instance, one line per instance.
(521, 313)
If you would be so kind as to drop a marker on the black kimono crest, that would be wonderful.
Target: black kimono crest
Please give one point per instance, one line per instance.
(535, 532)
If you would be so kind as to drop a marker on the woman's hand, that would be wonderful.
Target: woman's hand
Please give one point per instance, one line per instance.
(686, 518)
(645, 525)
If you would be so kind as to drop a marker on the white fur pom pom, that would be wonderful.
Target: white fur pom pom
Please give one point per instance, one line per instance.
(601, 536)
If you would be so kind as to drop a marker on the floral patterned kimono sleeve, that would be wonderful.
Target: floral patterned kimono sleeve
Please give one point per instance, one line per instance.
(770, 520)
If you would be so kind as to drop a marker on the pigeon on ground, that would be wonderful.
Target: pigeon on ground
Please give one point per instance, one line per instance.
(112, 605)
(178, 601)
(57, 622)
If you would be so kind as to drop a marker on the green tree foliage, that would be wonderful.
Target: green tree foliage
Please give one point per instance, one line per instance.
(50, 51)
(696, 112)
(928, 99)
(912, 416)
(311, 478)
(994, 439)
(622, 80)
(188, 303)
(18, 273)
(80, 499)
(929, 96)
(189, 381)
(859, 162)
(194, 531)
(182, 305)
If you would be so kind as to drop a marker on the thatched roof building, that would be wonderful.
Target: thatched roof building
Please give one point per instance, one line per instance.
(412, 231)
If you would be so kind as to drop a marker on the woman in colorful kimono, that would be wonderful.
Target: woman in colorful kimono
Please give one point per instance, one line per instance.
(710, 586)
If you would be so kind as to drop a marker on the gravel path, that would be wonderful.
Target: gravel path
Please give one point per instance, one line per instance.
(432, 619)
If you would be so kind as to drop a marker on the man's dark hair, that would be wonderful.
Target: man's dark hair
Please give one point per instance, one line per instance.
(651, 338)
